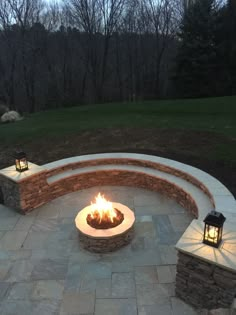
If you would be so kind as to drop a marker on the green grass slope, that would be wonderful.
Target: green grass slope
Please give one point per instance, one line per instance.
(216, 115)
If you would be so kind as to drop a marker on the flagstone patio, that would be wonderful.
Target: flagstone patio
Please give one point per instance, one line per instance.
(43, 270)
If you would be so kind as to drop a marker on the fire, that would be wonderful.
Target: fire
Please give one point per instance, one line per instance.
(103, 209)
(103, 215)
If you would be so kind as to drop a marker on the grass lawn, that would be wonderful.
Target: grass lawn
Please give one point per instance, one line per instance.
(200, 132)
(214, 115)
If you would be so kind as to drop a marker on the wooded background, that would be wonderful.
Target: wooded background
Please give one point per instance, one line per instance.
(91, 51)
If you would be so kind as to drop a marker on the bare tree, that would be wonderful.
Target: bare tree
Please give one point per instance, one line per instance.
(24, 14)
(159, 14)
(62, 53)
(97, 19)
(52, 16)
(7, 60)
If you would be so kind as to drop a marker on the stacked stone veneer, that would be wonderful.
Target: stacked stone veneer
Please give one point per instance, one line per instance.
(106, 245)
(34, 191)
(10, 192)
(204, 285)
(123, 161)
(26, 194)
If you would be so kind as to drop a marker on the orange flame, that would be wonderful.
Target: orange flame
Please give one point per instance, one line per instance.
(104, 208)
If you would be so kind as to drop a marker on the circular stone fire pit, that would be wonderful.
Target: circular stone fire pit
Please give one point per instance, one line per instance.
(105, 240)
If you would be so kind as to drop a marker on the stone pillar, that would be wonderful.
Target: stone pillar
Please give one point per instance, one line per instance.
(204, 285)
(24, 191)
(206, 276)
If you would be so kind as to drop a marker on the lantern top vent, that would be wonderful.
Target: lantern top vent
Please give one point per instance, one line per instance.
(19, 155)
(215, 218)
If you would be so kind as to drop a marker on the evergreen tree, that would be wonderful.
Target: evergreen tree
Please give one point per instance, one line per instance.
(226, 46)
(196, 62)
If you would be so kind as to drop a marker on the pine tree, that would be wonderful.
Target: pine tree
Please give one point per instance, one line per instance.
(229, 44)
(196, 58)
(225, 39)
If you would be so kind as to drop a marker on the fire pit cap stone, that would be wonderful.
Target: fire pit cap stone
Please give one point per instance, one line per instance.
(86, 229)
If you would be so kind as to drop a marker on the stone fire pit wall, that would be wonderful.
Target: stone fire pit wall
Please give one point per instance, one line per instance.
(206, 276)
(105, 240)
(106, 245)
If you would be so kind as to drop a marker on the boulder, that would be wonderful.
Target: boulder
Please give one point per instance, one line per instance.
(10, 116)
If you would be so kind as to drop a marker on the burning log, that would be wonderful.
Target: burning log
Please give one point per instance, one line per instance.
(103, 215)
(104, 222)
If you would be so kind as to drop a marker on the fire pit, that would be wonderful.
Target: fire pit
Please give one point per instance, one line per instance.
(105, 226)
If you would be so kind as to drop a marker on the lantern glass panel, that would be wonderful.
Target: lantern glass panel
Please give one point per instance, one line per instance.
(211, 234)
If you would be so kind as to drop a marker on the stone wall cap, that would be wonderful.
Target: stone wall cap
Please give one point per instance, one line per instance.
(11, 173)
(225, 256)
(214, 186)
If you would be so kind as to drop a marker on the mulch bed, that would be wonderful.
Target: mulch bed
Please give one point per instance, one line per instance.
(190, 147)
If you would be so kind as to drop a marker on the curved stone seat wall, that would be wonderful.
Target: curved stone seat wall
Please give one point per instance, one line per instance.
(61, 166)
(220, 197)
(124, 178)
(42, 184)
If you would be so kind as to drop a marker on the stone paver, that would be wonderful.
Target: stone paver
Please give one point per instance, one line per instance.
(7, 224)
(37, 240)
(119, 266)
(21, 291)
(180, 221)
(48, 289)
(168, 254)
(50, 210)
(122, 285)
(78, 303)
(87, 283)
(25, 307)
(20, 271)
(103, 288)
(148, 257)
(45, 225)
(146, 274)
(116, 307)
(24, 223)
(12, 240)
(149, 294)
(165, 231)
(50, 253)
(145, 229)
(165, 274)
(180, 308)
(74, 277)
(3, 289)
(5, 266)
(4, 255)
(6, 212)
(155, 310)
(49, 269)
(44, 271)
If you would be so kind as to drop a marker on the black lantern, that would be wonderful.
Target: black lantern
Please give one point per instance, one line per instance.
(21, 161)
(214, 222)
